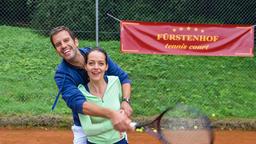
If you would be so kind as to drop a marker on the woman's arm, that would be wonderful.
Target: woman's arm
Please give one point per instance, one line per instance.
(91, 129)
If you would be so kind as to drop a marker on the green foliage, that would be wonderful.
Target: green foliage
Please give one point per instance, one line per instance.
(224, 86)
(14, 11)
(74, 14)
(79, 15)
(27, 68)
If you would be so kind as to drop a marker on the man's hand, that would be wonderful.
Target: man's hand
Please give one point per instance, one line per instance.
(120, 121)
(127, 108)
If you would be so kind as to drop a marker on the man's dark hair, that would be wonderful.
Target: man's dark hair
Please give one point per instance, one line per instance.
(59, 29)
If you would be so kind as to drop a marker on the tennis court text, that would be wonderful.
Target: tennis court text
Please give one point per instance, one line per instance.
(187, 47)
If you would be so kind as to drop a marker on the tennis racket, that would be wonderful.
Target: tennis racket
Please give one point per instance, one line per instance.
(181, 124)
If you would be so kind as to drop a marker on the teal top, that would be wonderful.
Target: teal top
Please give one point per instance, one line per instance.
(97, 129)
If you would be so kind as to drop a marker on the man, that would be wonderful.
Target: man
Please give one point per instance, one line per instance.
(70, 73)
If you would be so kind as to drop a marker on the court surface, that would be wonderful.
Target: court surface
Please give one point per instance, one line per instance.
(64, 136)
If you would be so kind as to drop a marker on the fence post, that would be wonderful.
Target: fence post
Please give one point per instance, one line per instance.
(97, 23)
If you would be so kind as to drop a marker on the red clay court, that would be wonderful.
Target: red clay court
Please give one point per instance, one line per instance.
(63, 136)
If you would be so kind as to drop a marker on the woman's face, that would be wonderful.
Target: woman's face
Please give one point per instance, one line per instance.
(96, 65)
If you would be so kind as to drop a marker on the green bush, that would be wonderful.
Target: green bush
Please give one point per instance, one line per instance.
(76, 15)
(14, 12)
(79, 15)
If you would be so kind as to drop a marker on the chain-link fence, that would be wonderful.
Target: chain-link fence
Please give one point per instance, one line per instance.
(186, 78)
(79, 15)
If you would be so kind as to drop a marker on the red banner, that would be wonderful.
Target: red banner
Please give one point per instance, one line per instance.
(186, 39)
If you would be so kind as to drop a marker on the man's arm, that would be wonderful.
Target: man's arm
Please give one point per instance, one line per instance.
(126, 90)
(70, 93)
(114, 69)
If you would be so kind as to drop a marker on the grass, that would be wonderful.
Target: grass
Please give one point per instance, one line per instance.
(224, 86)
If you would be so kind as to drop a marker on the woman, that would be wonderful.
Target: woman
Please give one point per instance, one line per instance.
(104, 91)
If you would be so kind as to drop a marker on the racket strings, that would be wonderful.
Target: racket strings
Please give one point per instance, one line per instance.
(180, 125)
(184, 125)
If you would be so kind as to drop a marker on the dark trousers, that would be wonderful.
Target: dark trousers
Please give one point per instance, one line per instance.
(122, 141)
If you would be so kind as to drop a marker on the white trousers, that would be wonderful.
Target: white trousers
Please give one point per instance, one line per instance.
(79, 135)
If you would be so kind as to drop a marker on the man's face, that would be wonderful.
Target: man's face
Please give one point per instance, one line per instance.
(65, 46)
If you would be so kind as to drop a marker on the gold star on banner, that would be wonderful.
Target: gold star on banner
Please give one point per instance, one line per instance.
(174, 30)
(181, 29)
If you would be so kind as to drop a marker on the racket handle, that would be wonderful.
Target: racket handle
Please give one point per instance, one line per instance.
(133, 125)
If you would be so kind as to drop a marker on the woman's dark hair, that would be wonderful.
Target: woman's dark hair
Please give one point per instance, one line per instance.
(96, 49)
